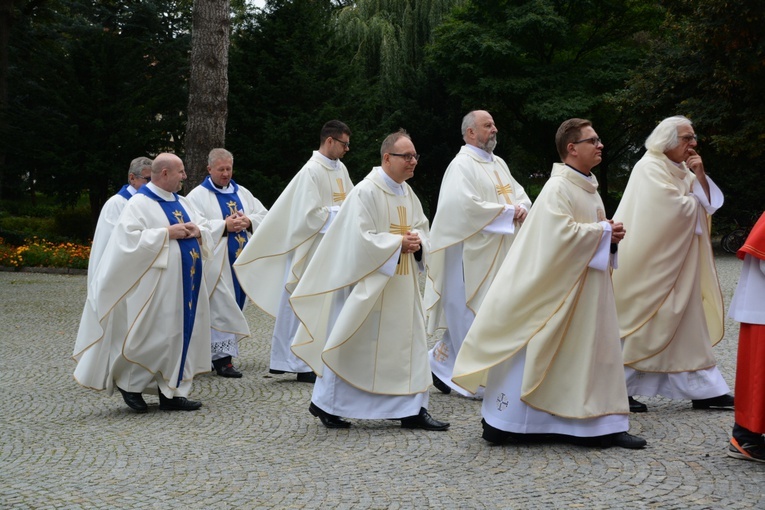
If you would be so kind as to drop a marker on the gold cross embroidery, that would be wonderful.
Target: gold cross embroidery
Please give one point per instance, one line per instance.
(503, 189)
(242, 241)
(178, 216)
(339, 196)
(401, 229)
(231, 207)
(194, 256)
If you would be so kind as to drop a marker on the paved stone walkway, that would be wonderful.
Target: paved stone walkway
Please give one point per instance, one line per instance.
(254, 444)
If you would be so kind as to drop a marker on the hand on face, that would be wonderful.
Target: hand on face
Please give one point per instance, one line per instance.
(694, 161)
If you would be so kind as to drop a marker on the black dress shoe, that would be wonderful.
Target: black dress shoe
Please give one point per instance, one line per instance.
(440, 385)
(178, 403)
(637, 407)
(308, 377)
(275, 371)
(134, 401)
(495, 435)
(228, 371)
(620, 439)
(625, 440)
(328, 420)
(723, 401)
(423, 421)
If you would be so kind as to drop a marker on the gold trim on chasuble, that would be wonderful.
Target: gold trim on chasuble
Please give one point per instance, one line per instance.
(401, 228)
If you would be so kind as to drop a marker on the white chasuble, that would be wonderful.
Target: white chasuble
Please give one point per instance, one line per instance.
(138, 291)
(667, 293)
(285, 241)
(465, 256)
(226, 317)
(549, 304)
(107, 219)
(377, 340)
(473, 194)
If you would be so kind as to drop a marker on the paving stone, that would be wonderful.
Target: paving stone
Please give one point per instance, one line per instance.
(254, 445)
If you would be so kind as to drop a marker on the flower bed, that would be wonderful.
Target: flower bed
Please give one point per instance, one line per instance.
(37, 252)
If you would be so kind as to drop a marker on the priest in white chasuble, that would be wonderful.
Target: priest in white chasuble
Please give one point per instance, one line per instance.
(362, 324)
(139, 173)
(274, 260)
(480, 206)
(232, 215)
(545, 342)
(148, 287)
(667, 294)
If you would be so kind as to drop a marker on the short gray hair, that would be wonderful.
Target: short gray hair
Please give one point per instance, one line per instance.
(468, 121)
(217, 154)
(138, 164)
(664, 136)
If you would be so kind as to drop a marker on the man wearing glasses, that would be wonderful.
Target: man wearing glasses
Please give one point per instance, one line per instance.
(139, 174)
(479, 208)
(545, 343)
(667, 293)
(363, 328)
(274, 260)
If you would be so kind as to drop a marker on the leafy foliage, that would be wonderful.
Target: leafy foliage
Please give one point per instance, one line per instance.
(708, 63)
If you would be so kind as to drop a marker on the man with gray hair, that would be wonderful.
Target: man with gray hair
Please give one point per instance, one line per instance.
(480, 206)
(139, 174)
(668, 297)
(233, 214)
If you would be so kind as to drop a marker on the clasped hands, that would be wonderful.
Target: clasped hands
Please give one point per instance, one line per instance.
(617, 231)
(237, 222)
(411, 243)
(184, 231)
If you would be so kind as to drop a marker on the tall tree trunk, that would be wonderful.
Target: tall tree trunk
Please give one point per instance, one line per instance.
(208, 86)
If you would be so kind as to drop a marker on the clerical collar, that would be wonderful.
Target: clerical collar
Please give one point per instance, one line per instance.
(228, 190)
(131, 190)
(396, 188)
(486, 156)
(222, 188)
(165, 195)
(332, 163)
(588, 177)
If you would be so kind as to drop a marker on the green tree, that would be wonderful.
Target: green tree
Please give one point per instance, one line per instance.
(288, 76)
(708, 63)
(93, 85)
(535, 63)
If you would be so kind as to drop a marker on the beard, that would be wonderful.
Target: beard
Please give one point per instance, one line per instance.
(489, 145)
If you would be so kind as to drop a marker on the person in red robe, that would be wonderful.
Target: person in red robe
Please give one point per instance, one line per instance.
(748, 308)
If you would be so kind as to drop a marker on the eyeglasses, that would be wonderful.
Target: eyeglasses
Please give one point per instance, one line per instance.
(147, 179)
(346, 144)
(594, 141)
(407, 157)
(688, 138)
